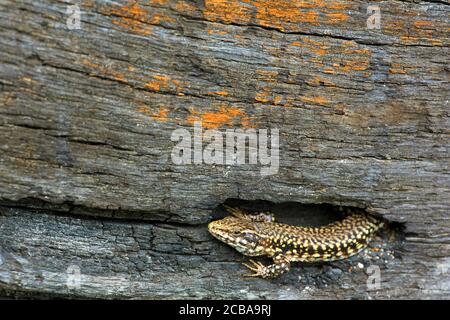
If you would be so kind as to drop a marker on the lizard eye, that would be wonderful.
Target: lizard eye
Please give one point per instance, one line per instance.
(250, 237)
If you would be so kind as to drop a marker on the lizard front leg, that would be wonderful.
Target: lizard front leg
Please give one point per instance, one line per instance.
(280, 266)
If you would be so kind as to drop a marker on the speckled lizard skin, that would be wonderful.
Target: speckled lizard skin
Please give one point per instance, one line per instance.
(260, 235)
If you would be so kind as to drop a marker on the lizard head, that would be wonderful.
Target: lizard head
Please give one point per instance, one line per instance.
(240, 234)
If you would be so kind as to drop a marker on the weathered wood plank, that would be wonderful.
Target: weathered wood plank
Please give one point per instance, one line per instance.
(120, 259)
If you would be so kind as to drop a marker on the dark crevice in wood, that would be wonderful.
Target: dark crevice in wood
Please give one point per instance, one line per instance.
(303, 214)
(68, 208)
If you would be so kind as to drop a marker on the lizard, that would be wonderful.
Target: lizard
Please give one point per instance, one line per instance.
(259, 235)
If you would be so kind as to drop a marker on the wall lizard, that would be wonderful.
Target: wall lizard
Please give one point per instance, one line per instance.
(259, 235)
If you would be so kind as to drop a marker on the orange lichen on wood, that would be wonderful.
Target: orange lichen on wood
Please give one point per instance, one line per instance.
(278, 14)
(161, 115)
(354, 65)
(88, 4)
(219, 32)
(337, 17)
(317, 81)
(133, 18)
(267, 75)
(397, 68)
(157, 18)
(419, 31)
(408, 39)
(262, 96)
(227, 11)
(353, 59)
(422, 23)
(219, 93)
(312, 4)
(436, 42)
(185, 7)
(400, 68)
(357, 51)
(277, 100)
(159, 82)
(265, 96)
(394, 70)
(226, 116)
(316, 47)
(160, 2)
(315, 100)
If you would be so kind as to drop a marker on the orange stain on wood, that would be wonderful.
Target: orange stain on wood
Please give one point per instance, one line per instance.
(315, 47)
(315, 100)
(312, 42)
(423, 35)
(185, 7)
(161, 115)
(161, 2)
(211, 31)
(337, 17)
(408, 39)
(157, 18)
(159, 82)
(394, 70)
(309, 17)
(355, 65)
(227, 11)
(225, 116)
(319, 51)
(88, 4)
(132, 17)
(282, 14)
(358, 51)
(422, 23)
(266, 75)
(333, 5)
(262, 96)
(277, 100)
(279, 14)
(436, 42)
(265, 96)
(317, 81)
(219, 93)
(400, 68)
(162, 78)
(312, 4)
(153, 85)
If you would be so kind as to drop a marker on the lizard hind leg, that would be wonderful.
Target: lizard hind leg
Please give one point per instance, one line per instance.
(275, 270)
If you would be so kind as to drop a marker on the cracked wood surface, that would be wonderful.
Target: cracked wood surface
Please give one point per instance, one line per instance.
(86, 117)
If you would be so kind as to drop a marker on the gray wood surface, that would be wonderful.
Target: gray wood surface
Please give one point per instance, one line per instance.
(86, 117)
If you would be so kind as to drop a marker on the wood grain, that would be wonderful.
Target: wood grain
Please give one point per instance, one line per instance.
(86, 117)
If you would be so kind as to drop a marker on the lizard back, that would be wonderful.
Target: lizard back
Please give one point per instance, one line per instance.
(335, 241)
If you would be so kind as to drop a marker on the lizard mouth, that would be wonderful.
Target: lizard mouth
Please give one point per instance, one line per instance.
(223, 234)
(215, 229)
